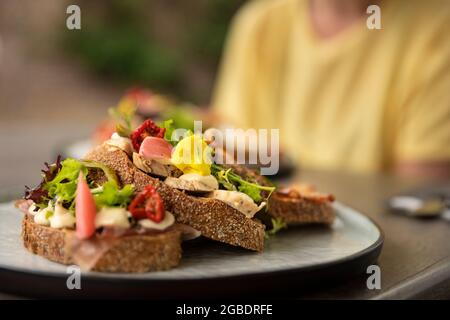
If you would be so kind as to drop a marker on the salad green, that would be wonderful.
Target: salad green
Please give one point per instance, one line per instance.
(110, 195)
(60, 183)
(277, 225)
(234, 182)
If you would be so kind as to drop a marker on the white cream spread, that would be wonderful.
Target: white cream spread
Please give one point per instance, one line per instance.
(117, 217)
(168, 220)
(62, 218)
(53, 216)
(238, 200)
(40, 217)
(32, 208)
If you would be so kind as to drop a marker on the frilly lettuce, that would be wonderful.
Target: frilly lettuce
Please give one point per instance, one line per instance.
(60, 183)
(64, 185)
(110, 195)
(232, 181)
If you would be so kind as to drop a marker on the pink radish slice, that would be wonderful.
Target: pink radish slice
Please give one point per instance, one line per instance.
(155, 148)
(85, 210)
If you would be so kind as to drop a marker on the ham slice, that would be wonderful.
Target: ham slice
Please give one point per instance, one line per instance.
(23, 205)
(86, 253)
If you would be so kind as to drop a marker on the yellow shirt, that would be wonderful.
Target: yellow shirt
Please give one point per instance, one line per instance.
(362, 101)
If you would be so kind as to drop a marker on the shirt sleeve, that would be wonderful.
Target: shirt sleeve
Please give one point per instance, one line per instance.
(425, 127)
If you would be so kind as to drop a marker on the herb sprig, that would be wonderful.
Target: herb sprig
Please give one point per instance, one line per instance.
(234, 182)
(277, 225)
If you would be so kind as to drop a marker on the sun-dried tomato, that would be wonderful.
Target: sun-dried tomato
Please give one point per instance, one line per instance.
(147, 204)
(146, 129)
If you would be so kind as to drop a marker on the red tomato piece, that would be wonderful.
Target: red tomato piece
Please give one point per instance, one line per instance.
(148, 204)
(147, 129)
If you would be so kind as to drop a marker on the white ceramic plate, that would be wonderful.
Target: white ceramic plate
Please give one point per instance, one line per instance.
(302, 253)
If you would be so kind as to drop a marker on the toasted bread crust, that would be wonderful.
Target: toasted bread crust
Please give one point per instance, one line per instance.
(213, 218)
(301, 210)
(135, 253)
(44, 241)
(310, 208)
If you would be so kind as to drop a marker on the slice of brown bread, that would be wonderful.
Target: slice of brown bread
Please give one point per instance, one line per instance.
(131, 253)
(307, 207)
(213, 218)
(301, 210)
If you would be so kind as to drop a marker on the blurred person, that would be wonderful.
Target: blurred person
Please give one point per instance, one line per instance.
(343, 96)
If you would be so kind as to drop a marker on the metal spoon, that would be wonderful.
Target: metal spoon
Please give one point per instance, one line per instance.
(421, 208)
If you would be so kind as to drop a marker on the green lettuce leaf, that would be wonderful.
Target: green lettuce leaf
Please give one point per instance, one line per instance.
(252, 191)
(64, 185)
(169, 126)
(110, 195)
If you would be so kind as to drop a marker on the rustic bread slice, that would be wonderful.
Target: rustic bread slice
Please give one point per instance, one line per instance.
(301, 210)
(213, 218)
(132, 253)
(303, 206)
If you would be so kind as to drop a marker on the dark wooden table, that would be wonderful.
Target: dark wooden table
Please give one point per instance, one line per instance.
(415, 260)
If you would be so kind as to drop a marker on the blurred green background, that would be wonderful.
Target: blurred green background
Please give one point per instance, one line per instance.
(57, 84)
(170, 46)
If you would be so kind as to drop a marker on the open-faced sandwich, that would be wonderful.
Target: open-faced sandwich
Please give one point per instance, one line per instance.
(294, 204)
(127, 206)
(73, 217)
(222, 202)
(201, 195)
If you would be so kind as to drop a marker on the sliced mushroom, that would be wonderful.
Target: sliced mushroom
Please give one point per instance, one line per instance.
(120, 142)
(238, 200)
(193, 182)
(157, 167)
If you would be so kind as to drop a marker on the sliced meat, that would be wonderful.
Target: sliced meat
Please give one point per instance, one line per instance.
(155, 148)
(156, 167)
(193, 182)
(238, 200)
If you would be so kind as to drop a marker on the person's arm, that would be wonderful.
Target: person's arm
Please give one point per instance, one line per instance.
(437, 169)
